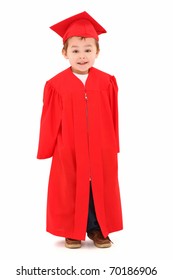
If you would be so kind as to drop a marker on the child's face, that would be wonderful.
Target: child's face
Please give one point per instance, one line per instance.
(81, 53)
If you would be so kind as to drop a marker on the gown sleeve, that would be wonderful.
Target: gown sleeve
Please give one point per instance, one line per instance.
(49, 123)
(113, 95)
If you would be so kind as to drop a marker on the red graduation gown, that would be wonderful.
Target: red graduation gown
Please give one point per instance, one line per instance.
(79, 130)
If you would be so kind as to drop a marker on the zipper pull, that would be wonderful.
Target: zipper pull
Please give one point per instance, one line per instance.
(86, 97)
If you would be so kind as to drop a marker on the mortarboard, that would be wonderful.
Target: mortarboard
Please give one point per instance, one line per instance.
(82, 25)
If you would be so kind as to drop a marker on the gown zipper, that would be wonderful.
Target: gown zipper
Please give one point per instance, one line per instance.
(86, 100)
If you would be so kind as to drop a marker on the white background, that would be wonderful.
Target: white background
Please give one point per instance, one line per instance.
(138, 50)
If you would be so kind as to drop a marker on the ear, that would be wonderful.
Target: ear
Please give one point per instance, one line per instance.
(97, 53)
(64, 53)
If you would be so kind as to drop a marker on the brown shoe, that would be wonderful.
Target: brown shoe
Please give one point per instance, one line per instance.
(99, 240)
(72, 243)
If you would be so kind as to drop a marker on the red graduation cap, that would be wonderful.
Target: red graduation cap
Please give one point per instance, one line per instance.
(82, 25)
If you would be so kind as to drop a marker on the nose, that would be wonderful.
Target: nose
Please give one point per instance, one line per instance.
(82, 56)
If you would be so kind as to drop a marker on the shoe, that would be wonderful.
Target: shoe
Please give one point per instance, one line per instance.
(99, 240)
(72, 243)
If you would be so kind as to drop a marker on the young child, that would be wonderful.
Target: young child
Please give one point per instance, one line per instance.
(79, 130)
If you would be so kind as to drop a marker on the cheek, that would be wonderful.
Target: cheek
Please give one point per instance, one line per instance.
(94, 56)
(72, 60)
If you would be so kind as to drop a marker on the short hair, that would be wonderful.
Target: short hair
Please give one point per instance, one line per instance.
(82, 38)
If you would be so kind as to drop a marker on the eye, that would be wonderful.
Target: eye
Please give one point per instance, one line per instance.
(75, 51)
(88, 50)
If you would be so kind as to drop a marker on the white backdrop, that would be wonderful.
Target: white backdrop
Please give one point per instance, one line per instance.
(138, 50)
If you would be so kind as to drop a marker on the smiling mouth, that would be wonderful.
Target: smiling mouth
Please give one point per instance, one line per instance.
(82, 63)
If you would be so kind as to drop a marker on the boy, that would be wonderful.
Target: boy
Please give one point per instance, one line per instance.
(79, 129)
